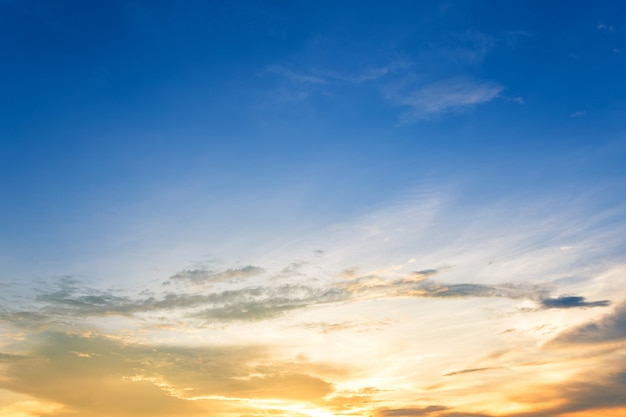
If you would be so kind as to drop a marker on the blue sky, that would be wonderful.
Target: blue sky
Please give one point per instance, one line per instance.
(140, 140)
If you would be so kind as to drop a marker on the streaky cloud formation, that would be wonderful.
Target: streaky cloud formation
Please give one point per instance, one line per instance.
(203, 276)
(71, 300)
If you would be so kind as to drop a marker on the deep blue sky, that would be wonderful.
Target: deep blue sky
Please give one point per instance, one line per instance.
(295, 112)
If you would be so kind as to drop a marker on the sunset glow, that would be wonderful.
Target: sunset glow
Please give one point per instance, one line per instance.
(312, 209)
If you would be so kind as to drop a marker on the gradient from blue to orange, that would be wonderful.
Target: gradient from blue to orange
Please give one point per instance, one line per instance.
(312, 208)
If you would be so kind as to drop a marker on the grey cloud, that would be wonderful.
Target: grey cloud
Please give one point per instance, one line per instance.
(571, 302)
(249, 303)
(203, 276)
(430, 411)
(477, 290)
(411, 411)
(467, 371)
(264, 303)
(69, 301)
(9, 357)
(32, 320)
(462, 414)
(426, 272)
(417, 284)
(610, 328)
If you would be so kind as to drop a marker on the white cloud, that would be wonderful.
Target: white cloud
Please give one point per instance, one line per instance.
(446, 96)
(341, 77)
(605, 27)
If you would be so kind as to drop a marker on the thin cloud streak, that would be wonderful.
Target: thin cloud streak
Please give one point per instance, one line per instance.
(443, 97)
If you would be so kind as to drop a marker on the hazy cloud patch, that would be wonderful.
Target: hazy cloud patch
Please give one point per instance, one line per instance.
(591, 392)
(122, 378)
(610, 328)
(603, 27)
(203, 276)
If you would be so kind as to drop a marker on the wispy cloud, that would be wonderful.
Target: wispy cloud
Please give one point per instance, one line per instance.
(605, 28)
(472, 370)
(204, 276)
(295, 77)
(325, 77)
(444, 97)
(411, 412)
(360, 326)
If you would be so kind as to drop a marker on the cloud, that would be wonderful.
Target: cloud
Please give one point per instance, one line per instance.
(89, 386)
(603, 27)
(295, 77)
(70, 301)
(578, 114)
(9, 357)
(244, 304)
(417, 284)
(444, 97)
(592, 391)
(410, 412)
(31, 320)
(428, 411)
(571, 302)
(203, 276)
(118, 378)
(610, 328)
(334, 77)
(360, 326)
(264, 303)
(589, 392)
(467, 371)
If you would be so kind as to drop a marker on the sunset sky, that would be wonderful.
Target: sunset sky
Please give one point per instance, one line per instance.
(312, 208)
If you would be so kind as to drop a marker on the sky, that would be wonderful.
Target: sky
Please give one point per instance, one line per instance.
(312, 208)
